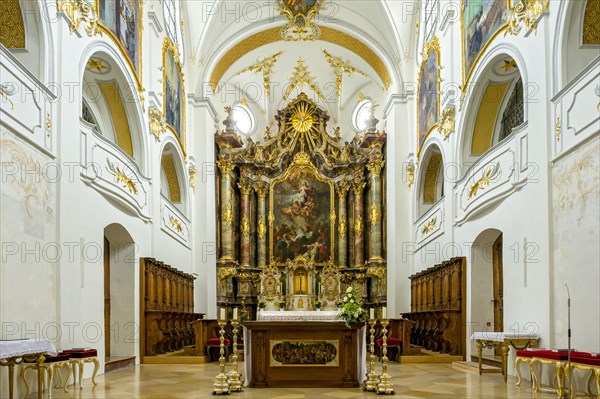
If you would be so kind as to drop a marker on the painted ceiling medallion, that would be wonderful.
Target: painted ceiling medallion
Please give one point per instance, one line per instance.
(300, 15)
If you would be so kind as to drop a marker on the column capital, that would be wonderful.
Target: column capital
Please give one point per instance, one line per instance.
(262, 189)
(245, 187)
(342, 187)
(226, 166)
(358, 186)
(375, 166)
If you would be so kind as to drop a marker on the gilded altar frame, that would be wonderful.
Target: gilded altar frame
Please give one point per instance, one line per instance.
(302, 162)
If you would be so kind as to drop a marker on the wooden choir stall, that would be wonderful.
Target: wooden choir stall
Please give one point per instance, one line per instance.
(167, 308)
(438, 308)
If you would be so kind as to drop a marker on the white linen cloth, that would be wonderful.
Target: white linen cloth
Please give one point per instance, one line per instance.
(501, 336)
(298, 315)
(22, 347)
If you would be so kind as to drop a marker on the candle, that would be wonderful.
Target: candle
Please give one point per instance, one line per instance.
(235, 314)
(371, 314)
(222, 314)
(384, 313)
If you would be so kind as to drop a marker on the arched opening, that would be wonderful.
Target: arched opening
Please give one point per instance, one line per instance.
(487, 292)
(172, 177)
(431, 181)
(497, 108)
(120, 332)
(108, 103)
(12, 24)
(581, 38)
(22, 32)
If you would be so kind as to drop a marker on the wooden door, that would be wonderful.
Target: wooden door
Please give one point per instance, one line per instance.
(498, 286)
(106, 297)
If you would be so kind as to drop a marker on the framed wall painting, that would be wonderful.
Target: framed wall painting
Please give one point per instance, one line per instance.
(481, 22)
(173, 92)
(122, 21)
(428, 97)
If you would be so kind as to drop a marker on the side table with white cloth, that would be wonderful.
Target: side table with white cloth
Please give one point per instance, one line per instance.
(503, 341)
(15, 352)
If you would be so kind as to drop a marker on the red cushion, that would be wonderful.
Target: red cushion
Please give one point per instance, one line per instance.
(80, 354)
(61, 357)
(525, 353)
(390, 342)
(591, 360)
(217, 342)
(551, 355)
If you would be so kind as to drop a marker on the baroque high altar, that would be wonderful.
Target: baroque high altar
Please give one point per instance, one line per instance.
(301, 215)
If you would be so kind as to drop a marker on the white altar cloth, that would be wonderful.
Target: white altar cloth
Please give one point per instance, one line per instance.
(22, 347)
(298, 315)
(501, 336)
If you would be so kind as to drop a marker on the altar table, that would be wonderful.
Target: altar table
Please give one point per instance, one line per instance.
(14, 352)
(299, 315)
(304, 354)
(502, 341)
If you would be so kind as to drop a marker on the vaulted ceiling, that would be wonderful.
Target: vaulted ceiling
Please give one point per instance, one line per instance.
(228, 37)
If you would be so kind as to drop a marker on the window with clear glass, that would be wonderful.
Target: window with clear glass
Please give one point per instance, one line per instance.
(244, 119)
(514, 112)
(171, 13)
(362, 113)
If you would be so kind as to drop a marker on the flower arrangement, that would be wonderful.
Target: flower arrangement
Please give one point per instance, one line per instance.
(282, 305)
(352, 310)
(317, 305)
(262, 305)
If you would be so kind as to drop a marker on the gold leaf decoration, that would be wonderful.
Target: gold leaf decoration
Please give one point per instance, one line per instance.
(121, 178)
(176, 224)
(527, 12)
(79, 11)
(483, 181)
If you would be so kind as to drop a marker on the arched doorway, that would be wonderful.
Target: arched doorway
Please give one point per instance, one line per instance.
(487, 285)
(120, 332)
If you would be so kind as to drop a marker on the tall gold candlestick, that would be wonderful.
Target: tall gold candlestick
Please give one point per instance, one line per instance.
(221, 386)
(385, 385)
(234, 377)
(372, 380)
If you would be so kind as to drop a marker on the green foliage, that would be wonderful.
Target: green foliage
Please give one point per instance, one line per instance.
(352, 310)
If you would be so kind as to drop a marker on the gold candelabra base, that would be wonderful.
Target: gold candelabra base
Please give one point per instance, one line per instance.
(372, 380)
(234, 378)
(221, 386)
(385, 386)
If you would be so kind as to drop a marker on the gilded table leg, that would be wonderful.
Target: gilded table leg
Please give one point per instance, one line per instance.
(50, 378)
(80, 364)
(68, 366)
(22, 375)
(536, 384)
(560, 390)
(597, 373)
(532, 373)
(504, 349)
(517, 361)
(479, 354)
(40, 374)
(11, 377)
(96, 367)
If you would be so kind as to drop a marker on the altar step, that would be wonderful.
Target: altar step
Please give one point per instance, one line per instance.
(113, 363)
(473, 368)
(495, 361)
(428, 357)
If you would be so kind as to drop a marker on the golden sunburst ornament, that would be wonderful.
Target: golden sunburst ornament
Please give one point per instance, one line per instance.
(302, 120)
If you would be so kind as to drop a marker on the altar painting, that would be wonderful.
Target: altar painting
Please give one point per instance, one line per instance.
(481, 20)
(302, 207)
(428, 97)
(304, 353)
(121, 19)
